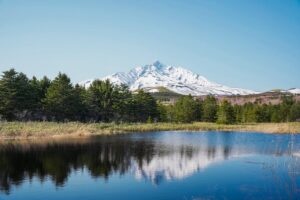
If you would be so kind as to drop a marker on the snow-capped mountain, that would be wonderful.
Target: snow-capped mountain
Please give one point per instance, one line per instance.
(176, 79)
(294, 90)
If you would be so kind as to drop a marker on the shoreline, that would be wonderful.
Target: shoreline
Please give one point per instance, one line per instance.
(35, 130)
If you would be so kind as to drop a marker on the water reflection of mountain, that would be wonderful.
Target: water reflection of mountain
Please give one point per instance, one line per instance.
(166, 157)
(177, 164)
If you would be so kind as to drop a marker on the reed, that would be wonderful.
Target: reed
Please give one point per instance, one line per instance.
(19, 130)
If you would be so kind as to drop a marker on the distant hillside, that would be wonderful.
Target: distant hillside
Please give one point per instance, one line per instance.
(262, 98)
(163, 94)
(272, 97)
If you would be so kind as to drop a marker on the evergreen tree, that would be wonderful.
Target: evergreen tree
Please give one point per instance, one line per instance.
(122, 103)
(81, 94)
(225, 113)
(39, 89)
(295, 112)
(16, 96)
(285, 106)
(198, 110)
(43, 86)
(163, 112)
(275, 113)
(24, 99)
(101, 95)
(143, 106)
(249, 113)
(238, 110)
(185, 109)
(61, 101)
(209, 109)
(262, 113)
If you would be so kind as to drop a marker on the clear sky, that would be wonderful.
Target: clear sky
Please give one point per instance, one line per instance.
(252, 44)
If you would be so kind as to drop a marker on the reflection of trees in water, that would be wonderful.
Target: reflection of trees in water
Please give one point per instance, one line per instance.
(58, 160)
(151, 158)
(101, 159)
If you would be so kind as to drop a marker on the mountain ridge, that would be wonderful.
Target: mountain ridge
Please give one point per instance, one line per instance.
(175, 79)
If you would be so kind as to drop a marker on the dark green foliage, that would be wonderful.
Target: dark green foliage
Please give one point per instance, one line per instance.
(82, 112)
(275, 113)
(262, 113)
(226, 113)
(285, 106)
(17, 98)
(101, 97)
(122, 102)
(238, 110)
(39, 89)
(58, 100)
(295, 112)
(186, 109)
(61, 101)
(163, 112)
(209, 109)
(142, 106)
(248, 115)
(107, 102)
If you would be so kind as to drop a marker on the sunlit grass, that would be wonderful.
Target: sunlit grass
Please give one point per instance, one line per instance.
(44, 129)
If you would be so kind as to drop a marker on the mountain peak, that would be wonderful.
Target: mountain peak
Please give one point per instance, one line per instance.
(158, 64)
(175, 79)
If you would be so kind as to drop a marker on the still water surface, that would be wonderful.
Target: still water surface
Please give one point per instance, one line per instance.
(158, 165)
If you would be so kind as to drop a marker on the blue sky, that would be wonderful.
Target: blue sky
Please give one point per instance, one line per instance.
(252, 44)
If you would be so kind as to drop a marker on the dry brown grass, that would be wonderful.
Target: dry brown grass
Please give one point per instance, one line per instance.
(13, 130)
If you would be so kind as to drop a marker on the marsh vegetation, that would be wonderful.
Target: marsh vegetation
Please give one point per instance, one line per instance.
(19, 130)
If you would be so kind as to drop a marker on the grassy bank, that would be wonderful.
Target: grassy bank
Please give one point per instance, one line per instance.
(10, 130)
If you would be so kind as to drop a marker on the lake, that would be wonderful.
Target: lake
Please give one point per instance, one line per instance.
(157, 165)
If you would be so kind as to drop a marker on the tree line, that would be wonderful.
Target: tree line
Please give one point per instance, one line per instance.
(189, 109)
(24, 99)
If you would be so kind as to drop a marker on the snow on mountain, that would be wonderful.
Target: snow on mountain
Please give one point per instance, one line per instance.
(176, 79)
(294, 90)
(291, 91)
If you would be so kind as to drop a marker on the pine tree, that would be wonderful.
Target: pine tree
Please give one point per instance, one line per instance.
(81, 94)
(185, 109)
(143, 106)
(162, 112)
(249, 113)
(225, 113)
(295, 112)
(238, 110)
(39, 89)
(123, 98)
(16, 96)
(102, 97)
(61, 101)
(209, 109)
(285, 106)
(262, 113)
(275, 113)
